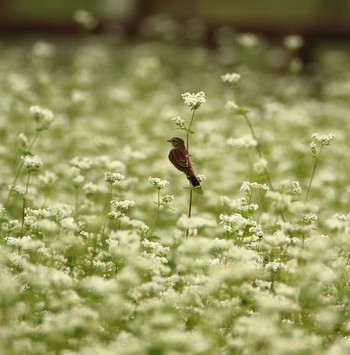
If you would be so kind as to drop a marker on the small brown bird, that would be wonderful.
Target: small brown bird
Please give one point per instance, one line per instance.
(181, 160)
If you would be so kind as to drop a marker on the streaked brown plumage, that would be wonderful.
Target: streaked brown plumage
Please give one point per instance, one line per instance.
(180, 158)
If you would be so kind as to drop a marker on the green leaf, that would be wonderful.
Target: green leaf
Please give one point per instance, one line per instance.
(197, 189)
(187, 130)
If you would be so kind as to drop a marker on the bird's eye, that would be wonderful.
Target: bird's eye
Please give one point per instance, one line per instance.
(173, 140)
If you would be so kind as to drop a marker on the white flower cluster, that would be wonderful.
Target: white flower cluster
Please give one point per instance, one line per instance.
(248, 187)
(231, 78)
(179, 122)
(158, 183)
(82, 163)
(324, 139)
(260, 166)
(239, 205)
(43, 49)
(32, 162)
(18, 190)
(293, 42)
(58, 212)
(234, 223)
(86, 19)
(119, 208)
(194, 100)
(201, 177)
(309, 218)
(296, 188)
(248, 40)
(244, 142)
(42, 116)
(113, 177)
(48, 178)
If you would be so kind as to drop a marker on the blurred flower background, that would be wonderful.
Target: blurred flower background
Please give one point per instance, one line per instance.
(97, 251)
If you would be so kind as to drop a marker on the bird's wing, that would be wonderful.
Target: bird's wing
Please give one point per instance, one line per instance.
(179, 159)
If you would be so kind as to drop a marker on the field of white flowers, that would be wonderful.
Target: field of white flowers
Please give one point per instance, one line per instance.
(97, 253)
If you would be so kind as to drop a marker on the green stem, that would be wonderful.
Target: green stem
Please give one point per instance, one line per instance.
(107, 207)
(20, 169)
(311, 179)
(24, 202)
(76, 205)
(189, 127)
(187, 148)
(189, 208)
(258, 149)
(156, 215)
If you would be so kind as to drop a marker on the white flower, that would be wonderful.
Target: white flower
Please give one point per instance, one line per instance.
(48, 178)
(232, 78)
(122, 205)
(231, 106)
(324, 139)
(85, 19)
(260, 166)
(91, 188)
(248, 40)
(113, 177)
(43, 116)
(194, 100)
(179, 122)
(43, 49)
(313, 147)
(32, 162)
(296, 188)
(158, 183)
(244, 142)
(293, 42)
(82, 163)
(249, 186)
(201, 177)
(309, 218)
(275, 266)
(17, 190)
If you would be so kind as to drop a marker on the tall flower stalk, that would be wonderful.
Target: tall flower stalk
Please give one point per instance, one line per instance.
(238, 108)
(43, 118)
(110, 178)
(316, 145)
(159, 184)
(32, 163)
(194, 101)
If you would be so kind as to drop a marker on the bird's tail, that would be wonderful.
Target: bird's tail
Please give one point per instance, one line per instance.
(194, 181)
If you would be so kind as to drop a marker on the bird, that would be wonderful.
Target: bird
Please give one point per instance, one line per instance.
(181, 160)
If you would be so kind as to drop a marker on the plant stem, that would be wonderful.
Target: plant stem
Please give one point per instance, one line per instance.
(311, 179)
(189, 127)
(254, 136)
(189, 208)
(156, 215)
(107, 207)
(76, 207)
(20, 169)
(187, 148)
(24, 202)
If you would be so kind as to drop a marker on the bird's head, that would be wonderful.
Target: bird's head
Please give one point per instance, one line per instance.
(176, 142)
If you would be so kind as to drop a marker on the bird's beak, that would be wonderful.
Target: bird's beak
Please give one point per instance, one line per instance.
(168, 140)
